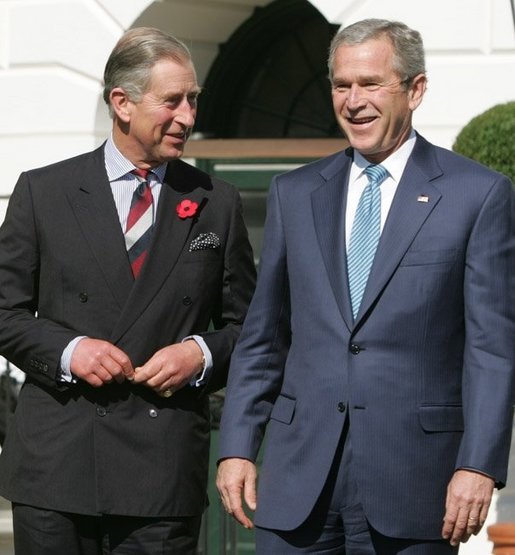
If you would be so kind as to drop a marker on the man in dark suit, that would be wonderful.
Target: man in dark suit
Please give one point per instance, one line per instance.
(113, 265)
(378, 348)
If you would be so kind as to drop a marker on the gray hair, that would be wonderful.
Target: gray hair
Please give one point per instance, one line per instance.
(132, 59)
(408, 60)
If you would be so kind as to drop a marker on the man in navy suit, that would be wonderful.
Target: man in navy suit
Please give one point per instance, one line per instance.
(388, 413)
(108, 449)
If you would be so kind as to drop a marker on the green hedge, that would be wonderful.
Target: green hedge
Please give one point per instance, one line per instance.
(490, 139)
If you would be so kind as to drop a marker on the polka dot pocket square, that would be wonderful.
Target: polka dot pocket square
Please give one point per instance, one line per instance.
(205, 241)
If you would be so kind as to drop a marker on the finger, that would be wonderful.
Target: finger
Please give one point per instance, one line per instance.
(237, 512)
(249, 494)
(448, 523)
(240, 516)
(464, 538)
(483, 514)
(144, 373)
(476, 523)
(103, 374)
(123, 362)
(117, 364)
(93, 380)
(225, 498)
(113, 369)
(460, 527)
(234, 495)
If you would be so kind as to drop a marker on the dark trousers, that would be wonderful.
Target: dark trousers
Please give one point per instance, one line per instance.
(44, 532)
(338, 526)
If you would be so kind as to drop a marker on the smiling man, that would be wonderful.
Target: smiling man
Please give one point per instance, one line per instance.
(378, 349)
(113, 265)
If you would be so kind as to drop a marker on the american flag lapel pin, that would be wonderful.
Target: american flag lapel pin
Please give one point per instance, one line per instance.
(422, 198)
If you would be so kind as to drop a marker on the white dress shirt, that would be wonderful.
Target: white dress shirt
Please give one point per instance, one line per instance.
(394, 164)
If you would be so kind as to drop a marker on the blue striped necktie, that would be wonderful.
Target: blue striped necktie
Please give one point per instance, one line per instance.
(364, 238)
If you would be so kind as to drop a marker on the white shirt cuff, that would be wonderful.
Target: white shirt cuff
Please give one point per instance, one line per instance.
(208, 360)
(66, 361)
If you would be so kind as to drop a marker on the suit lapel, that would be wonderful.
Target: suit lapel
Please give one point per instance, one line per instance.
(94, 208)
(168, 239)
(414, 200)
(328, 204)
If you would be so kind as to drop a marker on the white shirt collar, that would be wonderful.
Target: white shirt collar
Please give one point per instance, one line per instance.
(395, 163)
(117, 165)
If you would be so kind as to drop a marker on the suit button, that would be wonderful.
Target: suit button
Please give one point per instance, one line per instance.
(83, 297)
(186, 301)
(101, 411)
(341, 407)
(152, 413)
(355, 349)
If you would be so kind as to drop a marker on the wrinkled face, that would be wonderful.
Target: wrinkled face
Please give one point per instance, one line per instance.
(156, 128)
(372, 104)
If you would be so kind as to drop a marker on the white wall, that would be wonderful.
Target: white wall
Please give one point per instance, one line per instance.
(52, 54)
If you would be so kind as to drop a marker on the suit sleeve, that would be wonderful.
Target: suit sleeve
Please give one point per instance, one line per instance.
(258, 361)
(488, 365)
(237, 286)
(32, 343)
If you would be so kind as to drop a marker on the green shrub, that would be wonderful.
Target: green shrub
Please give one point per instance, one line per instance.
(490, 139)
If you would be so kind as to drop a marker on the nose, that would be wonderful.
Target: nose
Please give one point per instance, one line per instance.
(186, 113)
(355, 97)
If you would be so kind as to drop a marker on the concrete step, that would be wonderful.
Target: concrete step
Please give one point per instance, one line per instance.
(6, 535)
(6, 523)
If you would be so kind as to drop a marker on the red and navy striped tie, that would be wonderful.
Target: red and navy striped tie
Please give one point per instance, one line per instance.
(139, 222)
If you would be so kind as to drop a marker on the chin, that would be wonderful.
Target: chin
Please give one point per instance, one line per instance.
(172, 153)
(362, 146)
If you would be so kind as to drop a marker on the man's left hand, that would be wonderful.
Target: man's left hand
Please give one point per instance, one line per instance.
(171, 368)
(468, 498)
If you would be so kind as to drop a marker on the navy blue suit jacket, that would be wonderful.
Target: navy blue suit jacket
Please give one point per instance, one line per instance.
(425, 373)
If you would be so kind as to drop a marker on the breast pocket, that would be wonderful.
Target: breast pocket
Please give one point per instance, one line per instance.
(429, 257)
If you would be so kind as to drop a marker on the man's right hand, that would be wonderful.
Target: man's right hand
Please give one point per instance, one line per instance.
(99, 362)
(236, 477)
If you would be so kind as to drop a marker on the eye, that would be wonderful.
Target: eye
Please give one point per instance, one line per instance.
(341, 87)
(372, 87)
(192, 99)
(173, 101)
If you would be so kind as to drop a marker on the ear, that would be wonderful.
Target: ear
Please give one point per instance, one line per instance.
(416, 90)
(120, 104)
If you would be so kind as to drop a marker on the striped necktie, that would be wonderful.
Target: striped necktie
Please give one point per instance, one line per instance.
(364, 238)
(139, 222)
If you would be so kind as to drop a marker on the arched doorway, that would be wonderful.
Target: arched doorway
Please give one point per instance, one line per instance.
(270, 78)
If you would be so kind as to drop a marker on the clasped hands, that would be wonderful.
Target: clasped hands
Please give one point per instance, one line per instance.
(99, 362)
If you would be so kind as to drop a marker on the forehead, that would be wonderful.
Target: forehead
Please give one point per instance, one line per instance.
(371, 58)
(169, 75)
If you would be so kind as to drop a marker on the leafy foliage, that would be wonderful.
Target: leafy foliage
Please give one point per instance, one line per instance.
(490, 139)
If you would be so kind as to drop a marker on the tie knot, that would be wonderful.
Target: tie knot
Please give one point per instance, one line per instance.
(376, 173)
(143, 174)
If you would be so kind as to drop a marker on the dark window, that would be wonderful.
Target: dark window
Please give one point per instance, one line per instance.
(270, 78)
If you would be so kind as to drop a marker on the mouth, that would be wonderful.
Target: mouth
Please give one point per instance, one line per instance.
(360, 120)
(178, 138)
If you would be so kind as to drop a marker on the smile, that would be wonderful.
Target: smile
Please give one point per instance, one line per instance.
(360, 121)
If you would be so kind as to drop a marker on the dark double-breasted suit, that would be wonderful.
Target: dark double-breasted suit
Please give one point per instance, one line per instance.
(425, 373)
(119, 449)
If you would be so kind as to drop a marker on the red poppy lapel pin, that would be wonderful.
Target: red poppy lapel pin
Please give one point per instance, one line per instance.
(186, 209)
